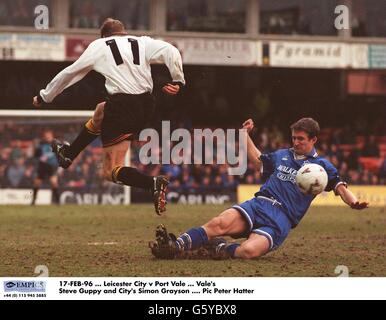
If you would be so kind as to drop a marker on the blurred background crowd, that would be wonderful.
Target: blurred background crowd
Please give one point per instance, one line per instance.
(354, 130)
(361, 160)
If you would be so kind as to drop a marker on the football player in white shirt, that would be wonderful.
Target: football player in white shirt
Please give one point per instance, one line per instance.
(125, 63)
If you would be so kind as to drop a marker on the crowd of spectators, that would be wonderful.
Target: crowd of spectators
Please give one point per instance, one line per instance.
(206, 16)
(306, 17)
(18, 141)
(90, 14)
(83, 13)
(360, 160)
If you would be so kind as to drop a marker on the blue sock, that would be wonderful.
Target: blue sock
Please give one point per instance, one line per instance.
(192, 239)
(231, 249)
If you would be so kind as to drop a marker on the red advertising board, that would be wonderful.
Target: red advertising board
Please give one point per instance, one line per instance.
(76, 45)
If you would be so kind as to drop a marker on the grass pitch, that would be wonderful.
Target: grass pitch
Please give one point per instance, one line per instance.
(113, 241)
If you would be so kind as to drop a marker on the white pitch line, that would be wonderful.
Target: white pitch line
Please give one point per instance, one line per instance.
(102, 243)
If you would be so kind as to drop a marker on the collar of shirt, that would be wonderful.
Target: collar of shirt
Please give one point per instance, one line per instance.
(312, 154)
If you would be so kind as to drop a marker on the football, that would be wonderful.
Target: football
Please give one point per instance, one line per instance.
(311, 179)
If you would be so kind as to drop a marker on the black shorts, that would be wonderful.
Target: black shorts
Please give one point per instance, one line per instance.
(125, 116)
(45, 171)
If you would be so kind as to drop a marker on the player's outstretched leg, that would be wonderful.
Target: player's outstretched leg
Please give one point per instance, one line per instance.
(130, 176)
(159, 194)
(167, 246)
(220, 249)
(59, 149)
(255, 246)
(217, 249)
(66, 153)
(228, 223)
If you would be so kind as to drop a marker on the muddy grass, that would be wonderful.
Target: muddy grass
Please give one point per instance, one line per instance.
(113, 241)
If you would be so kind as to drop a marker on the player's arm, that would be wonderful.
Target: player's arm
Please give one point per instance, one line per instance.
(253, 153)
(349, 198)
(67, 77)
(340, 188)
(158, 51)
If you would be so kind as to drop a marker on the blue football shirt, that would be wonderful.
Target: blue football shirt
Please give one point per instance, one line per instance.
(44, 150)
(279, 172)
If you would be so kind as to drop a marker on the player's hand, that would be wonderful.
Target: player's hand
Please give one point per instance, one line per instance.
(359, 205)
(36, 102)
(171, 89)
(248, 125)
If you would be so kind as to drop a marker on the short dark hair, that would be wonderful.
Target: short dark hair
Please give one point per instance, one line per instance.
(112, 27)
(308, 125)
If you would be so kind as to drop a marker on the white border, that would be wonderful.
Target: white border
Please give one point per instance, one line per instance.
(339, 288)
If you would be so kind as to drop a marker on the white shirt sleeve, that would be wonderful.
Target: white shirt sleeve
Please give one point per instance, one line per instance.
(70, 75)
(158, 51)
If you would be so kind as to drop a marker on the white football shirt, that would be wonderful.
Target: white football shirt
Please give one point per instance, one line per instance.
(125, 63)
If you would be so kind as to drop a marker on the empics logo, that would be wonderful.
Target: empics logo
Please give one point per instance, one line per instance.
(10, 284)
(25, 286)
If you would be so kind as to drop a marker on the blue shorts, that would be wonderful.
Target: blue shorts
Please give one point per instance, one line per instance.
(266, 217)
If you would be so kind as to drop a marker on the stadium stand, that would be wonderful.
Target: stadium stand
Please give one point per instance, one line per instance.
(358, 163)
(216, 95)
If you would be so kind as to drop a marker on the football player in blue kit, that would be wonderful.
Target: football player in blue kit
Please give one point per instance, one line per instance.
(268, 217)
